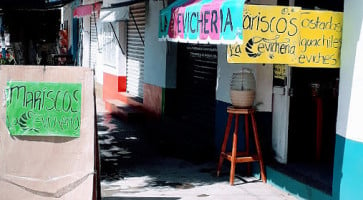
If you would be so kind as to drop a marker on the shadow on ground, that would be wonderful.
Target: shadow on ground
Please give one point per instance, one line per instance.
(135, 158)
(140, 198)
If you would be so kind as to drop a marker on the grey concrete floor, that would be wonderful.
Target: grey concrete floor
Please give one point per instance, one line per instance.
(134, 167)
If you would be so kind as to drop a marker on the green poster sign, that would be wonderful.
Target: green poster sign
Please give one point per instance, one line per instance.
(43, 109)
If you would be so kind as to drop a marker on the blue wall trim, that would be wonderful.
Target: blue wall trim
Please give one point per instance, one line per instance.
(294, 187)
(348, 161)
(347, 175)
(221, 122)
(264, 128)
(75, 33)
(348, 169)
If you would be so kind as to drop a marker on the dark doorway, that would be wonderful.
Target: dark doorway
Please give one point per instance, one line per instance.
(312, 125)
(312, 116)
(313, 111)
(33, 34)
(196, 84)
(191, 107)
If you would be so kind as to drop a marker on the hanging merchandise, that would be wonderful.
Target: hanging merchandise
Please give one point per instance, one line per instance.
(7, 53)
(7, 39)
(61, 59)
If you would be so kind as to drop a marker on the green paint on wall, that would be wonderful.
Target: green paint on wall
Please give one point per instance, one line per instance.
(294, 187)
(348, 162)
(43, 109)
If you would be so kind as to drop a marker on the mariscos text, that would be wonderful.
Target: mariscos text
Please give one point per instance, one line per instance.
(44, 108)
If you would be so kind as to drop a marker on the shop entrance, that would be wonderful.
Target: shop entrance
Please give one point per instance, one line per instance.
(313, 112)
(304, 143)
(190, 107)
(196, 83)
(33, 35)
(312, 124)
(305, 102)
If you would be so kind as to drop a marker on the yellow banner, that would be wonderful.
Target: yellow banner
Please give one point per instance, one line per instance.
(270, 35)
(289, 35)
(320, 39)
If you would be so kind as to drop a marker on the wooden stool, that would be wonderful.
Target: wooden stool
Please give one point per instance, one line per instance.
(240, 157)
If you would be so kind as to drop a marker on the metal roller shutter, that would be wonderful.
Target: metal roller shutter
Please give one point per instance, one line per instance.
(93, 51)
(196, 83)
(135, 50)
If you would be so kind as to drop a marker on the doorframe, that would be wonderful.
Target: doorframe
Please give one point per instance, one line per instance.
(280, 118)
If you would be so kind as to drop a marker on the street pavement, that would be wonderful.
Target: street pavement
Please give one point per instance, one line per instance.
(138, 163)
(133, 167)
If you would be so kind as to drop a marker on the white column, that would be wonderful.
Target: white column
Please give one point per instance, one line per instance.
(350, 106)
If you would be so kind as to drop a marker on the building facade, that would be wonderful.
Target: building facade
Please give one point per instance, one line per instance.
(190, 83)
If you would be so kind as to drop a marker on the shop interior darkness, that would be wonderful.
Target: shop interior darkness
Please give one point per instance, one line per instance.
(33, 31)
(32, 4)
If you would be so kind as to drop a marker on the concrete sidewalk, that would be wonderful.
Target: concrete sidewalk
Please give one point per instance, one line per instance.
(132, 167)
(136, 164)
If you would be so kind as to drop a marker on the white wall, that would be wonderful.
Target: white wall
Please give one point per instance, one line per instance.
(85, 42)
(350, 105)
(68, 17)
(155, 51)
(111, 59)
(263, 76)
(99, 69)
(86, 36)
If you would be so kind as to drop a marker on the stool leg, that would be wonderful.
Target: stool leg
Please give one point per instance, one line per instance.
(224, 144)
(247, 142)
(234, 150)
(259, 153)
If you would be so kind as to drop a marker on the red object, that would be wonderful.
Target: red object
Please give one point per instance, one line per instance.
(86, 10)
(319, 126)
(240, 157)
(63, 43)
(63, 34)
(113, 85)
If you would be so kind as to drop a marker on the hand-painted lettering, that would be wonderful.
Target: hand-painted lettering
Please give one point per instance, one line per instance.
(37, 108)
(262, 23)
(205, 22)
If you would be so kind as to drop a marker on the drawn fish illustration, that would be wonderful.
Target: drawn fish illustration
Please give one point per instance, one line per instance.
(249, 49)
(22, 122)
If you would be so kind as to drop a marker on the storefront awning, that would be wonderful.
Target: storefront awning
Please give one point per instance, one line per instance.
(202, 21)
(119, 3)
(116, 10)
(114, 14)
(86, 10)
